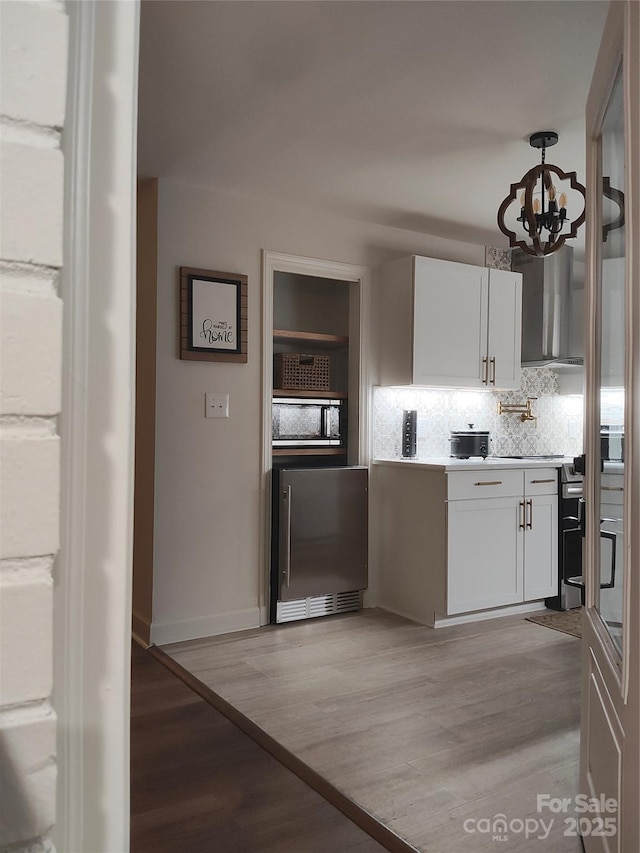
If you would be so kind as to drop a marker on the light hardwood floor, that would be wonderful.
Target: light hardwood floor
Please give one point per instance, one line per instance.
(424, 729)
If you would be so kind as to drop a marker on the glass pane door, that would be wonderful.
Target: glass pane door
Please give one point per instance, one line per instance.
(612, 368)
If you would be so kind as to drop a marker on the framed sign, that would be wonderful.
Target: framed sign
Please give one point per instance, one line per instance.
(213, 315)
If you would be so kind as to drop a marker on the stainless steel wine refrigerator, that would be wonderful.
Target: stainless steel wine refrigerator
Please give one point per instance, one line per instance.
(319, 540)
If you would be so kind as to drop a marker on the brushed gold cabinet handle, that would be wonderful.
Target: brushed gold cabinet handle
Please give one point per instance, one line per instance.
(488, 483)
(530, 522)
(551, 480)
(522, 515)
(485, 371)
(493, 371)
(612, 488)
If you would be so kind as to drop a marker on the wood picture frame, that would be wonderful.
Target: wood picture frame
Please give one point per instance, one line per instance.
(213, 315)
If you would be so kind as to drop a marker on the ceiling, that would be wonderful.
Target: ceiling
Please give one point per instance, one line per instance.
(408, 114)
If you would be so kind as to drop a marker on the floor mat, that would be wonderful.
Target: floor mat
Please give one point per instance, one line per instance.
(567, 621)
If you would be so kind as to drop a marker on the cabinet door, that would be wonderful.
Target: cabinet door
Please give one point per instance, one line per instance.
(541, 548)
(505, 328)
(449, 323)
(485, 553)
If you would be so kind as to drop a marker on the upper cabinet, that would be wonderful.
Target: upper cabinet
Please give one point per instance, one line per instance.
(450, 325)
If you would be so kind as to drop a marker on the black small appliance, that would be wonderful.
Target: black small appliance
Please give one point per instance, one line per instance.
(466, 443)
(409, 431)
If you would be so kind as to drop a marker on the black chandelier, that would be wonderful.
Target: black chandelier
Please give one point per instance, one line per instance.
(543, 213)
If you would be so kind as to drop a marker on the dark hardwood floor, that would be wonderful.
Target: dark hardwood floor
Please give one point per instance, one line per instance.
(200, 784)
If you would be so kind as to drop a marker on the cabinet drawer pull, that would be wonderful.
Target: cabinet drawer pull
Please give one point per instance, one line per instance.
(530, 521)
(551, 480)
(522, 515)
(485, 371)
(612, 488)
(488, 483)
(493, 370)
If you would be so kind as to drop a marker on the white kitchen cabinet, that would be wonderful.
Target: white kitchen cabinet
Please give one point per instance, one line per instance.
(448, 324)
(484, 554)
(464, 541)
(501, 550)
(541, 533)
(540, 568)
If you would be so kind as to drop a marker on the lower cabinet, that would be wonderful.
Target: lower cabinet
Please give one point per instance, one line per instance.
(465, 541)
(540, 559)
(484, 554)
(501, 550)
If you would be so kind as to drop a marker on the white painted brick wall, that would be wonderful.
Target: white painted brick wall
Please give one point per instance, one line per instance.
(33, 91)
(31, 214)
(27, 805)
(33, 69)
(30, 354)
(26, 611)
(30, 496)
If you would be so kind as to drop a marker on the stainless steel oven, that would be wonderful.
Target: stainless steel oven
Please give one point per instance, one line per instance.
(570, 540)
(571, 528)
(308, 422)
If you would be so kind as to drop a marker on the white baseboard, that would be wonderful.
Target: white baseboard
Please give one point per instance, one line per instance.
(404, 615)
(204, 626)
(481, 615)
(476, 616)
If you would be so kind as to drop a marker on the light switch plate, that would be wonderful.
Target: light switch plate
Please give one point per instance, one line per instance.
(216, 405)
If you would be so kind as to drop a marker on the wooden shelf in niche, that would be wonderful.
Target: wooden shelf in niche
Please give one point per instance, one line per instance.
(285, 336)
(309, 451)
(298, 392)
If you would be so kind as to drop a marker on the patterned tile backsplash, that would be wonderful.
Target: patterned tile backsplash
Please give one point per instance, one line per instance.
(558, 428)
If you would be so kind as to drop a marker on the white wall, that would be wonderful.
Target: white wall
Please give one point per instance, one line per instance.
(208, 476)
(34, 65)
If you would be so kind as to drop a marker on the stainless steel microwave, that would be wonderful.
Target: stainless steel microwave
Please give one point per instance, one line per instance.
(308, 422)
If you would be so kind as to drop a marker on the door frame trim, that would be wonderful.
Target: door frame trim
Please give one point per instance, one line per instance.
(92, 592)
(359, 372)
(619, 675)
(607, 66)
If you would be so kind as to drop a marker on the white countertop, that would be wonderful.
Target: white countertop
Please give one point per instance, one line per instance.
(446, 463)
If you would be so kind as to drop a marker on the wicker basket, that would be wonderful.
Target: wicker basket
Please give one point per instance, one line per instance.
(294, 370)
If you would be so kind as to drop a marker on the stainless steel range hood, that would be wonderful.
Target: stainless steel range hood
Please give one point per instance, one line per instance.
(546, 308)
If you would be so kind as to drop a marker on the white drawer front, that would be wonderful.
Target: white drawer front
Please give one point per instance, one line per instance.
(540, 481)
(467, 485)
